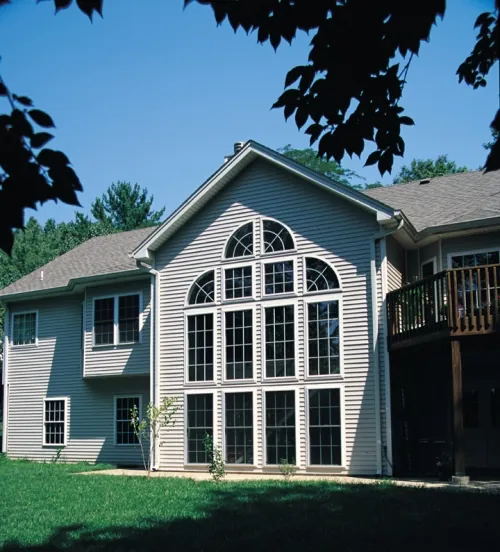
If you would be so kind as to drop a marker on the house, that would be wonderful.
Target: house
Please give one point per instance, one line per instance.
(274, 304)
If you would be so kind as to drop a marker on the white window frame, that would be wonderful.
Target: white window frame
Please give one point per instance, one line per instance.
(18, 313)
(115, 421)
(66, 424)
(279, 303)
(116, 330)
(275, 253)
(341, 387)
(215, 407)
(215, 311)
(201, 305)
(471, 252)
(432, 260)
(296, 392)
(254, 422)
(304, 276)
(276, 260)
(241, 259)
(225, 267)
(233, 308)
(319, 298)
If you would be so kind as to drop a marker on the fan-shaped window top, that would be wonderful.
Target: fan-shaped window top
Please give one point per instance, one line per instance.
(203, 290)
(276, 237)
(320, 276)
(240, 244)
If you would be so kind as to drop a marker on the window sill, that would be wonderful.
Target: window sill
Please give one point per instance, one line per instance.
(27, 346)
(286, 295)
(197, 384)
(278, 380)
(247, 381)
(116, 346)
(54, 445)
(326, 377)
(124, 445)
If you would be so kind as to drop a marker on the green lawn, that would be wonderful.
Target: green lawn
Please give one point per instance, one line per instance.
(46, 507)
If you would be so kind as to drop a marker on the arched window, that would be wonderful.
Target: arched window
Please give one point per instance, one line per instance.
(203, 290)
(320, 276)
(276, 237)
(240, 244)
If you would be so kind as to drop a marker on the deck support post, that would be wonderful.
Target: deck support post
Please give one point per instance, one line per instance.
(458, 413)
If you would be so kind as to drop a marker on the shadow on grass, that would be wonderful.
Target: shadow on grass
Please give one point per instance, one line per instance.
(297, 517)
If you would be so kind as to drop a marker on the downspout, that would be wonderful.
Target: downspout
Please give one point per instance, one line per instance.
(154, 349)
(5, 379)
(375, 340)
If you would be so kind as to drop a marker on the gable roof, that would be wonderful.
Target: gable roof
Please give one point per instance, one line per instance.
(100, 256)
(250, 152)
(470, 198)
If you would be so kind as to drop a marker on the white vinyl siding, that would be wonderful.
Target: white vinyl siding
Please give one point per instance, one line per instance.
(118, 358)
(395, 264)
(324, 227)
(53, 371)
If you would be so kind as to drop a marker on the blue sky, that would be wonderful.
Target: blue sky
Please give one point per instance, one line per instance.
(158, 95)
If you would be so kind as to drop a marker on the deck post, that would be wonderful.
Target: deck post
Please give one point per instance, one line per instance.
(458, 414)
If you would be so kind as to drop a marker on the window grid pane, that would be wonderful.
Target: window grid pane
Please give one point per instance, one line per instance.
(24, 331)
(278, 277)
(54, 422)
(199, 424)
(201, 347)
(128, 318)
(323, 338)
(324, 427)
(104, 321)
(239, 344)
(241, 242)
(239, 428)
(280, 341)
(276, 237)
(238, 282)
(280, 427)
(124, 430)
(320, 276)
(203, 290)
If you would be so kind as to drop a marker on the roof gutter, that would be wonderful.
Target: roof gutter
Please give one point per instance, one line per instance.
(154, 353)
(375, 348)
(69, 287)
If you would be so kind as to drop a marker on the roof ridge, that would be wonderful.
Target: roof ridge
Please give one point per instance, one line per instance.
(432, 178)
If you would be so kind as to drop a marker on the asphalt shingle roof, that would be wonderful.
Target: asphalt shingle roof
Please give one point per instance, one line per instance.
(101, 255)
(454, 198)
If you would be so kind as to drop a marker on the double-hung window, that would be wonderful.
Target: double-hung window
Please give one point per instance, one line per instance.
(280, 427)
(325, 441)
(117, 319)
(200, 423)
(124, 431)
(239, 344)
(323, 338)
(200, 337)
(280, 341)
(24, 328)
(54, 421)
(239, 428)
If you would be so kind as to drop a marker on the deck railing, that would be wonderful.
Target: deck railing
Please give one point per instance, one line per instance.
(459, 301)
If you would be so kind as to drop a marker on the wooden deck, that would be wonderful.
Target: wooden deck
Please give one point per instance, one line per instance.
(452, 303)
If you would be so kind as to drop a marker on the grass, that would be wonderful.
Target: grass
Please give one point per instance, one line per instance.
(47, 507)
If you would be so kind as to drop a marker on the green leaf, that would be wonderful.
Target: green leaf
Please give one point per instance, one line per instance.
(40, 139)
(62, 4)
(51, 158)
(293, 75)
(23, 100)
(88, 7)
(41, 118)
(373, 158)
(404, 120)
